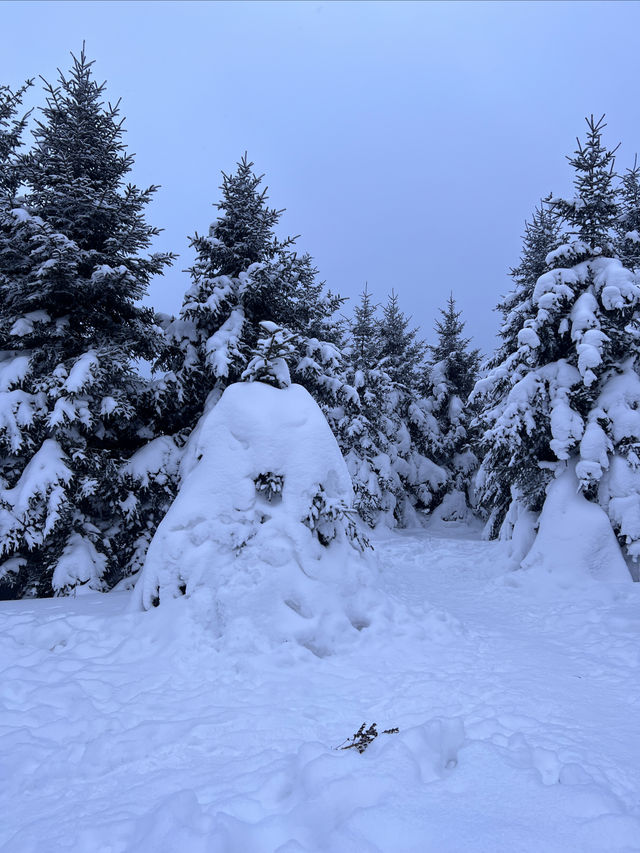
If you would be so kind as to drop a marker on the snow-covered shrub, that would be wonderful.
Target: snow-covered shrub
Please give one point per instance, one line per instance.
(270, 362)
(262, 524)
(328, 516)
(574, 543)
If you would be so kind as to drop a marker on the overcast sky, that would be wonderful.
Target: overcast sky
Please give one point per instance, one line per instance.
(407, 141)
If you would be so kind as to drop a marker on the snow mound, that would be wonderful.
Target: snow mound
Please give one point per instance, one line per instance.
(452, 510)
(259, 527)
(575, 542)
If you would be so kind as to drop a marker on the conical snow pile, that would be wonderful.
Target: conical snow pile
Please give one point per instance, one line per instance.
(263, 522)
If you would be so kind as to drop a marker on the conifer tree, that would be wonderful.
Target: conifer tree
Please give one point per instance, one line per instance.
(387, 438)
(412, 429)
(16, 404)
(360, 430)
(402, 353)
(452, 373)
(70, 314)
(628, 221)
(270, 362)
(502, 469)
(11, 130)
(242, 276)
(574, 387)
(591, 214)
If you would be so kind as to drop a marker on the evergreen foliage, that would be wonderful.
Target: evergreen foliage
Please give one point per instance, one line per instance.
(360, 430)
(388, 436)
(569, 393)
(402, 353)
(509, 460)
(270, 363)
(628, 221)
(452, 373)
(243, 275)
(70, 328)
(591, 214)
(12, 127)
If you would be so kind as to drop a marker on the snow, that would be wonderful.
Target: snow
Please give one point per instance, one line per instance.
(24, 325)
(224, 343)
(40, 489)
(528, 337)
(79, 564)
(258, 560)
(158, 458)
(133, 732)
(575, 543)
(17, 409)
(13, 370)
(81, 372)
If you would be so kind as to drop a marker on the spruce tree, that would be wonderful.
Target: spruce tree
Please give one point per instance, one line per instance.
(402, 353)
(16, 405)
(509, 461)
(12, 127)
(628, 221)
(591, 214)
(243, 275)
(360, 430)
(574, 387)
(70, 313)
(388, 436)
(451, 376)
(412, 430)
(270, 363)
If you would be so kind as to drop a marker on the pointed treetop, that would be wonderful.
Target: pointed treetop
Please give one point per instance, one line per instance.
(364, 332)
(11, 129)
(591, 214)
(401, 351)
(243, 233)
(452, 349)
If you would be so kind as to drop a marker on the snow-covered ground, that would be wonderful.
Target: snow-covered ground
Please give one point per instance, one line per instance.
(518, 708)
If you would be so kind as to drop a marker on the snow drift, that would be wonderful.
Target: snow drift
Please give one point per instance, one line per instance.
(575, 542)
(260, 528)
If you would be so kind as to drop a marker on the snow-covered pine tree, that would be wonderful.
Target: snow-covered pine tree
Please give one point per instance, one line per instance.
(16, 405)
(360, 429)
(243, 275)
(387, 435)
(11, 130)
(628, 221)
(402, 353)
(411, 428)
(69, 314)
(504, 456)
(577, 397)
(451, 375)
(327, 514)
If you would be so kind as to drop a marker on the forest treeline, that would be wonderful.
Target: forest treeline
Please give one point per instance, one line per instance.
(90, 444)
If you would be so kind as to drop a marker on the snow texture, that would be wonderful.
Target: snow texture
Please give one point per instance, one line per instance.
(575, 543)
(40, 489)
(253, 554)
(130, 732)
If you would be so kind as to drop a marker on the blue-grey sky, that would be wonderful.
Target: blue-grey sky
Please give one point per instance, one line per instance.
(408, 141)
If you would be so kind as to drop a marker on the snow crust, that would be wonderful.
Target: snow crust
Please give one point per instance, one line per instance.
(266, 575)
